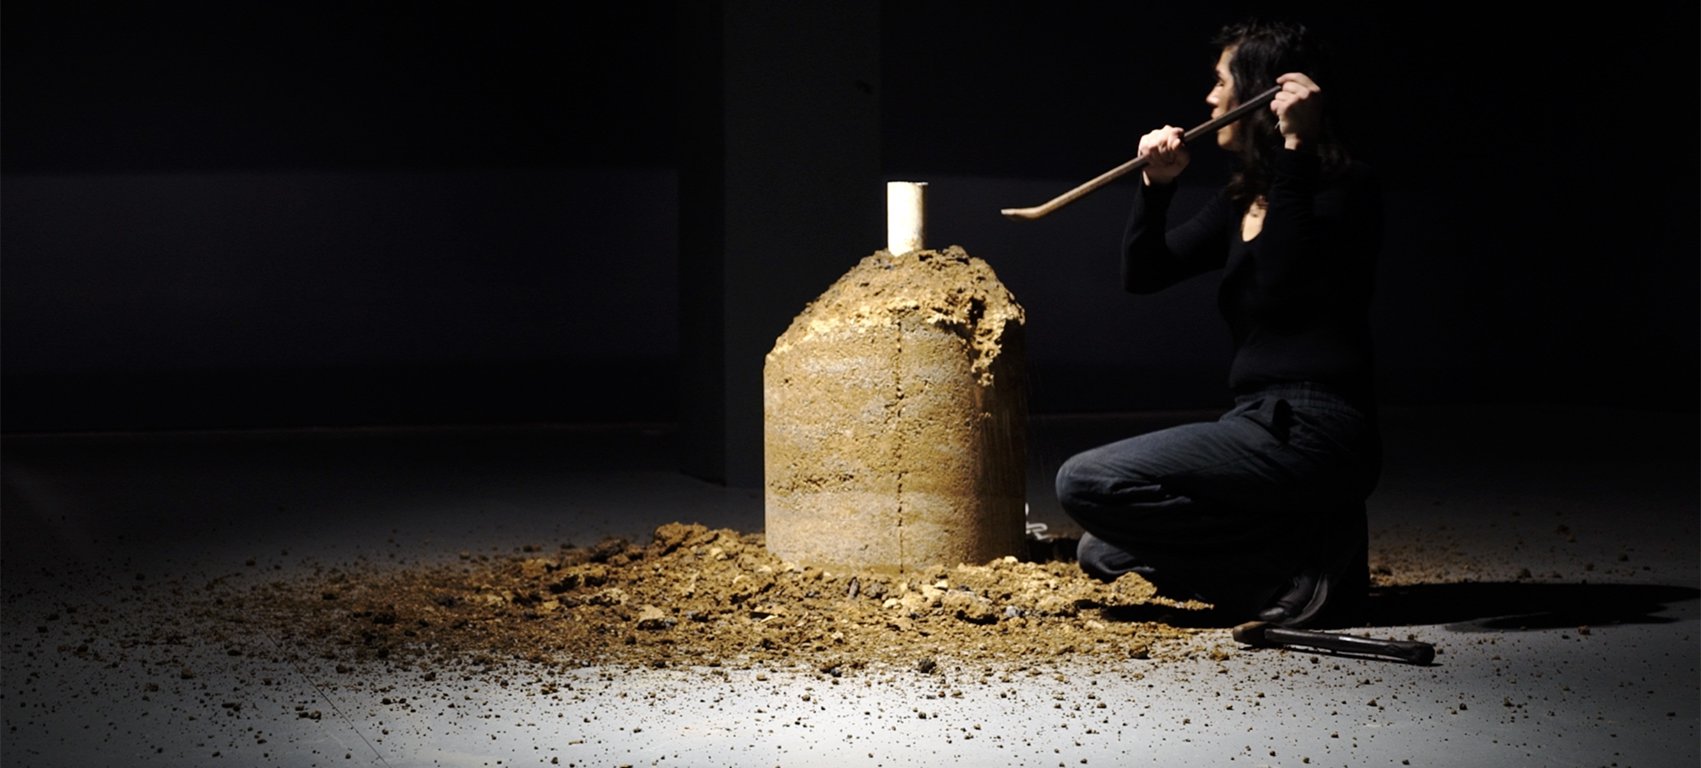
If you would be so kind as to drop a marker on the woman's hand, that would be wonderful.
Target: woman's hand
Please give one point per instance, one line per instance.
(1299, 109)
(1168, 156)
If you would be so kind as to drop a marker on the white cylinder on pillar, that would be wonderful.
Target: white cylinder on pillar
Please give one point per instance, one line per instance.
(906, 229)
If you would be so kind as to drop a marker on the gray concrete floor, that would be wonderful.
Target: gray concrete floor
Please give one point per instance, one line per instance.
(1550, 555)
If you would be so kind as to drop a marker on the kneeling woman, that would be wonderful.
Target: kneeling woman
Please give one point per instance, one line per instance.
(1261, 512)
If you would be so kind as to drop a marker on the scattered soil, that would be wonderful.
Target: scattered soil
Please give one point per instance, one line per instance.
(700, 597)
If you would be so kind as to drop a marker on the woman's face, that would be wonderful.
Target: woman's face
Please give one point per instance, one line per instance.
(1221, 99)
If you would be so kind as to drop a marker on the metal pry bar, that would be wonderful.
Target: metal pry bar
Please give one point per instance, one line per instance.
(1264, 634)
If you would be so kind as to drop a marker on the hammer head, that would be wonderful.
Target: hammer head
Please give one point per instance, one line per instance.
(1250, 633)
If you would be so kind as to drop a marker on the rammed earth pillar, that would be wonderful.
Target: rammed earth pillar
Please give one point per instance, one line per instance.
(895, 413)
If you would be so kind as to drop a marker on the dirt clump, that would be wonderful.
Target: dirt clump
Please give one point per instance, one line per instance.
(946, 289)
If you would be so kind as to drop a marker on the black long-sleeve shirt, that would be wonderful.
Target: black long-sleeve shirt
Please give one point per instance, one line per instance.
(1296, 296)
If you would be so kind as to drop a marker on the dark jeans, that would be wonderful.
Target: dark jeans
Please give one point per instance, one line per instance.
(1228, 511)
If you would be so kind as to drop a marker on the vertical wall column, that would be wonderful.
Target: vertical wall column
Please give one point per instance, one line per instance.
(780, 193)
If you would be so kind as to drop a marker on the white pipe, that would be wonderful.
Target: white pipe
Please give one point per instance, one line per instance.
(905, 228)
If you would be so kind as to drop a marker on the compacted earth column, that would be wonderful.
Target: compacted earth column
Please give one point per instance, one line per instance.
(894, 418)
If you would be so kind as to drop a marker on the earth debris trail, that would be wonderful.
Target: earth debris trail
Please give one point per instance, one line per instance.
(695, 596)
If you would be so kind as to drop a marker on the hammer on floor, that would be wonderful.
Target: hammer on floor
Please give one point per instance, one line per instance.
(1263, 634)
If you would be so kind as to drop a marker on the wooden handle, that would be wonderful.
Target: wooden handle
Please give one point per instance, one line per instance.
(1029, 214)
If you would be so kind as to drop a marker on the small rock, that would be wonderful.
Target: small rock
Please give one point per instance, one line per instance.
(653, 618)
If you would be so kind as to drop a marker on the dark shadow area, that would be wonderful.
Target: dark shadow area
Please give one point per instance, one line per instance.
(562, 391)
(1175, 616)
(1511, 606)
(1472, 607)
(204, 228)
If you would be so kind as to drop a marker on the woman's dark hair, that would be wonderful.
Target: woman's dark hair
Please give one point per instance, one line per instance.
(1263, 51)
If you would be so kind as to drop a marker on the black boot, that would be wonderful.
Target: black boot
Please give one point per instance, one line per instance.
(1333, 590)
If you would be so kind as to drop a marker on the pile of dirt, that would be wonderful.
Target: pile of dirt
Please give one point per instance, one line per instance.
(695, 596)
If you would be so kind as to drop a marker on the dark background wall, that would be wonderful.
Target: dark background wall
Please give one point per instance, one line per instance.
(237, 215)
